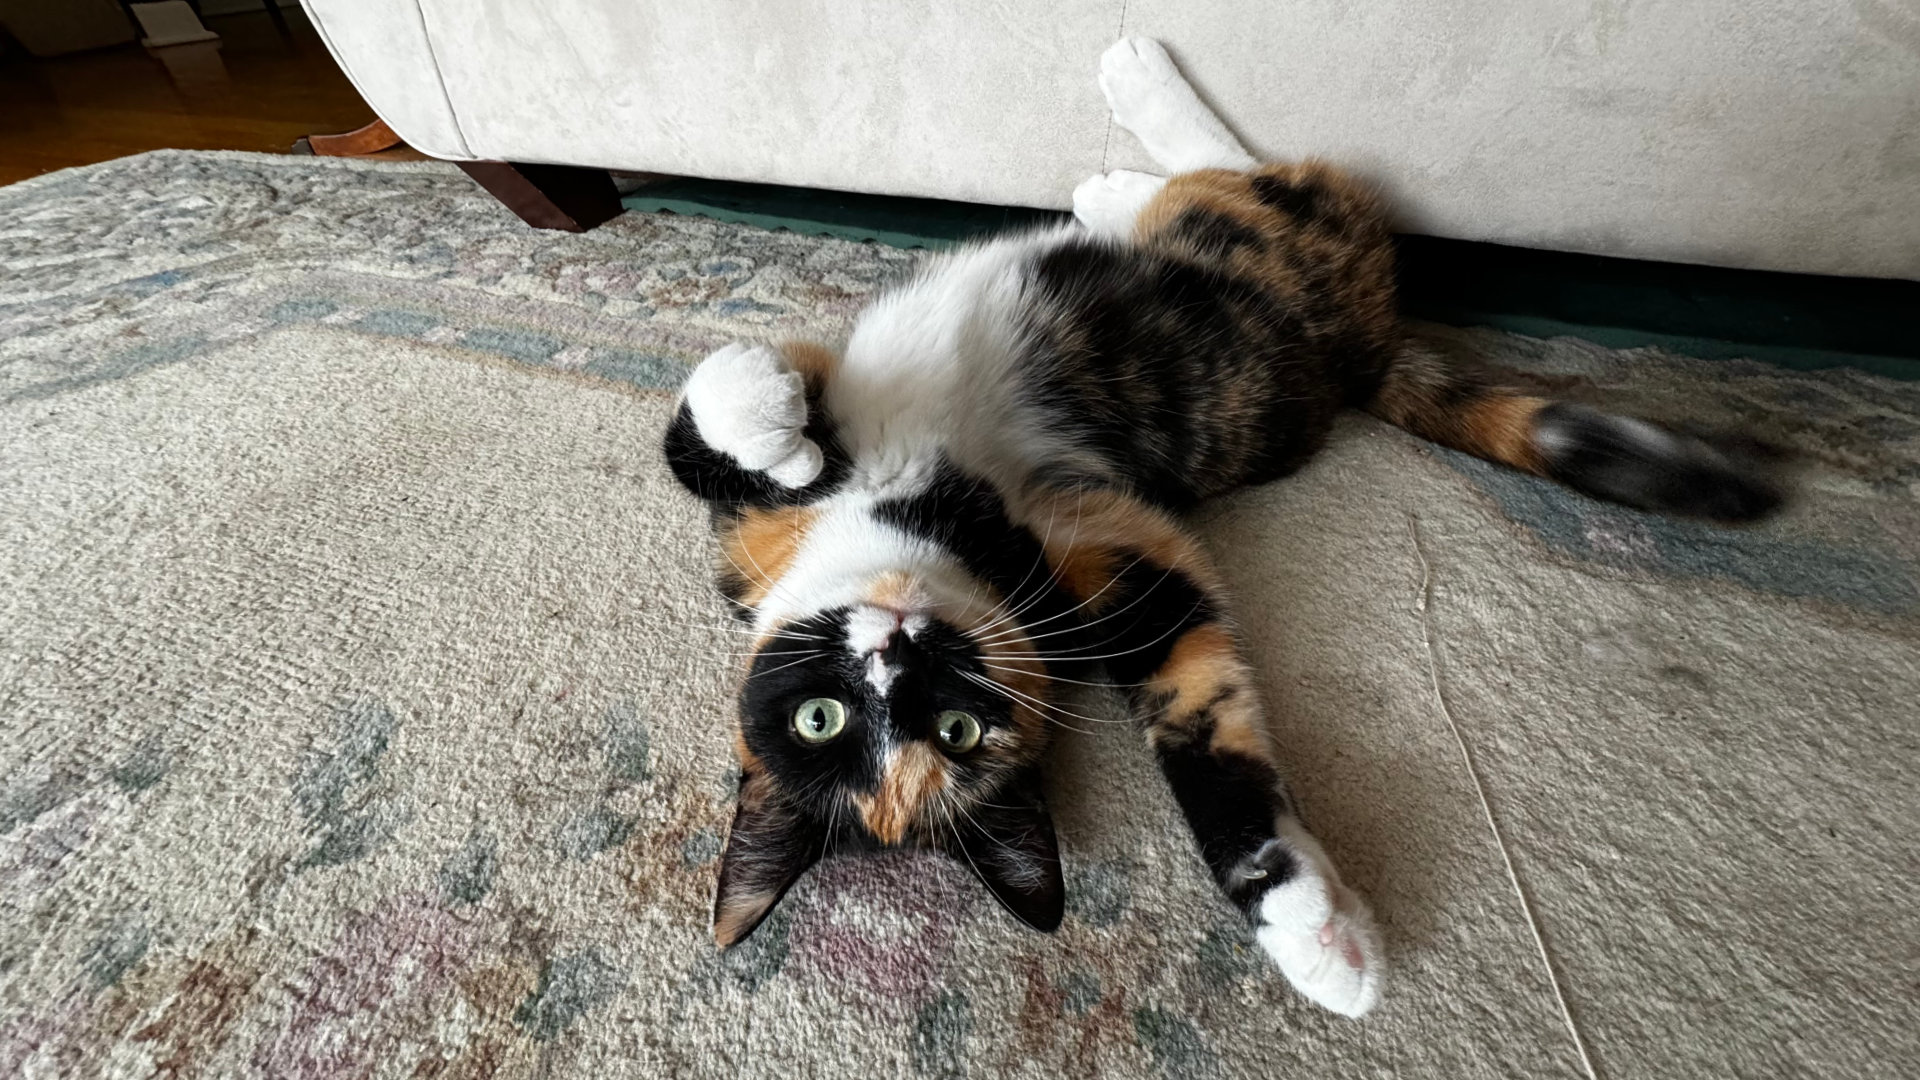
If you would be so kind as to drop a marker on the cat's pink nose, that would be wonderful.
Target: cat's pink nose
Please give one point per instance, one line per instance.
(899, 618)
(872, 628)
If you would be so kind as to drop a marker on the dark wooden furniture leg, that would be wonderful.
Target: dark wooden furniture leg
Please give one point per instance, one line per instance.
(279, 20)
(549, 196)
(370, 139)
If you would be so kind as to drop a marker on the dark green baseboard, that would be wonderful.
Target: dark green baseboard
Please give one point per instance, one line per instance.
(1795, 320)
(883, 219)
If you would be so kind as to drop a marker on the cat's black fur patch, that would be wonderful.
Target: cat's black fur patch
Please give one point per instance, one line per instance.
(966, 516)
(771, 843)
(1009, 844)
(1230, 802)
(1639, 464)
(1214, 233)
(1145, 611)
(928, 680)
(778, 682)
(716, 477)
(1300, 202)
(1187, 378)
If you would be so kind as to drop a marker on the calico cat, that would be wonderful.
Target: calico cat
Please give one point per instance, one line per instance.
(972, 505)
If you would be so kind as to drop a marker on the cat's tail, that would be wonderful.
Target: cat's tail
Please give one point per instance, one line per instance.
(1610, 457)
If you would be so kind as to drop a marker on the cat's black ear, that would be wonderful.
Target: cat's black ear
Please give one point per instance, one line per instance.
(1010, 846)
(768, 849)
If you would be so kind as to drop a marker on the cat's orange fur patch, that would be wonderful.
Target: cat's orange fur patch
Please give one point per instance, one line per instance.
(913, 773)
(1085, 570)
(1500, 428)
(1108, 531)
(892, 589)
(814, 362)
(1201, 664)
(761, 545)
(749, 760)
(738, 910)
(1237, 730)
(1344, 237)
(738, 913)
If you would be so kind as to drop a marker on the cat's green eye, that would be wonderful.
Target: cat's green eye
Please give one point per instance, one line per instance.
(819, 719)
(958, 731)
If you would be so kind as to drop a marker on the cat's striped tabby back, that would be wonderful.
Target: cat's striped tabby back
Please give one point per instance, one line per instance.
(931, 530)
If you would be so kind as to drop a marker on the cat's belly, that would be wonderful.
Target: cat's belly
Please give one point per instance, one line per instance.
(933, 371)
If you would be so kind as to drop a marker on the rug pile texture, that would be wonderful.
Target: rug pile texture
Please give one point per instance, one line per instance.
(364, 701)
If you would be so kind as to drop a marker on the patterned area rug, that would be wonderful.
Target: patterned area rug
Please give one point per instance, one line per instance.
(365, 706)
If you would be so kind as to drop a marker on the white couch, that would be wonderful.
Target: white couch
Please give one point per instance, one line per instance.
(1775, 134)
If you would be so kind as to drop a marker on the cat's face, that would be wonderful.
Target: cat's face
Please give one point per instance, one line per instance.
(900, 708)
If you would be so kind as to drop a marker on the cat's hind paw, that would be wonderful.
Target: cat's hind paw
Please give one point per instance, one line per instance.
(1108, 203)
(1322, 936)
(748, 404)
(1150, 98)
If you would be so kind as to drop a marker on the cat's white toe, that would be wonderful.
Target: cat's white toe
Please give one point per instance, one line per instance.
(748, 404)
(1108, 203)
(1322, 936)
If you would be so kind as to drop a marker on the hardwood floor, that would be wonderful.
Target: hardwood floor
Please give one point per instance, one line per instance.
(261, 90)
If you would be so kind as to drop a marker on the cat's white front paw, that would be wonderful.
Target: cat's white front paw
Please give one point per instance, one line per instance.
(1108, 203)
(748, 404)
(1321, 934)
(1151, 99)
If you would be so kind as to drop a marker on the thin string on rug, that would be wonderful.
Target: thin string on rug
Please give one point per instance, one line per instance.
(1425, 602)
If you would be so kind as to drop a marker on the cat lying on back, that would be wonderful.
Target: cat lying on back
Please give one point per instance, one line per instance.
(972, 505)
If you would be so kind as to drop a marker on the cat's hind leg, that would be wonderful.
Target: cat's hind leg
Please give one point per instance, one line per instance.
(1109, 203)
(1151, 99)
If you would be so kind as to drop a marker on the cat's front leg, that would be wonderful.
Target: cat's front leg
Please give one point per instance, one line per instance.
(1155, 617)
(1209, 734)
(749, 404)
(750, 429)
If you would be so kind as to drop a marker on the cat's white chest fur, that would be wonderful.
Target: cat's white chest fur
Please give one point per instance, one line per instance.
(930, 368)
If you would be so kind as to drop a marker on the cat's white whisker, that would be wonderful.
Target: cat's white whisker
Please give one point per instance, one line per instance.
(1036, 703)
(993, 687)
(1058, 678)
(1026, 630)
(785, 666)
(1039, 560)
(1081, 628)
(1176, 627)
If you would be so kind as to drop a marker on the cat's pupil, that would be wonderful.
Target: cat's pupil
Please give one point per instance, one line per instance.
(958, 730)
(819, 719)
